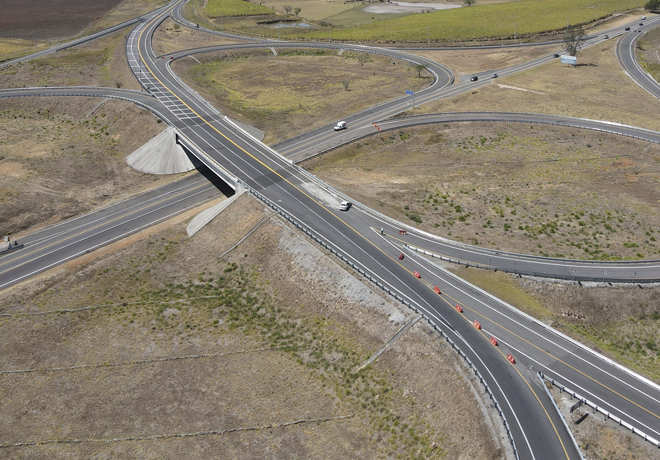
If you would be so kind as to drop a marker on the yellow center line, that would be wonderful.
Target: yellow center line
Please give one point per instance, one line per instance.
(291, 184)
(545, 351)
(559, 360)
(515, 368)
(88, 230)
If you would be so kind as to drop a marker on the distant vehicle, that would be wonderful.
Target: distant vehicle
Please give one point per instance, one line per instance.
(475, 78)
(641, 23)
(197, 25)
(606, 37)
(345, 205)
(627, 28)
(341, 125)
(555, 55)
(494, 75)
(643, 18)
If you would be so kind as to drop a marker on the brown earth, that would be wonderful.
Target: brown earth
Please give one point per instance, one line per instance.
(525, 188)
(171, 37)
(463, 62)
(59, 158)
(596, 88)
(101, 62)
(46, 19)
(599, 439)
(297, 90)
(128, 9)
(417, 401)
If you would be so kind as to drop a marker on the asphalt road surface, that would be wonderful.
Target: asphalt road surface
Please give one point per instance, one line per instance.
(534, 425)
(59, 243)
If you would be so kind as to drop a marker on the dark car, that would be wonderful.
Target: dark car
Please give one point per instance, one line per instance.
(641, 23)
(555, 55)
(627, 28)
(475, 78)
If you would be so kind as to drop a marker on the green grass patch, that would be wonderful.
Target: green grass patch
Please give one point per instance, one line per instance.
(502, 286)
(218, 8)
(528, 17)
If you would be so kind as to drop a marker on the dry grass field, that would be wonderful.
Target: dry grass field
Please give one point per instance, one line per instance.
(59, 159)
(99, 63)
(597, 88)
(170, 37)
(297, 90)
(267, 344)
(524, 188)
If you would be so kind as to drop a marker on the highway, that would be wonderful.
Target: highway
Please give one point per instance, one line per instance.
(535, 428)
(59, 243)
(625, 53)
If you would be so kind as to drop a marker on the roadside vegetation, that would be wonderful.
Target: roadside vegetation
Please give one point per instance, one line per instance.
(621, 322)
(648, 52)
(522, 188)
(261, 89)
(218, 8)
(524, 19)
(60, 157)
(286, 350)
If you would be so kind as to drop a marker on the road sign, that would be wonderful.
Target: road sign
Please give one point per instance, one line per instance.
(572, 60)
(409, 92)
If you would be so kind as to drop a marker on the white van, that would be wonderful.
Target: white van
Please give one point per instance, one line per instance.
(340, 125)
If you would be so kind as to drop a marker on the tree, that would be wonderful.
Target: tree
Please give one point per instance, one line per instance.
(469, 2)
(297, 10)
(419, 68)
(288, 8)
(363, 59)
(574, 38)
(653, 6)
(345, 83)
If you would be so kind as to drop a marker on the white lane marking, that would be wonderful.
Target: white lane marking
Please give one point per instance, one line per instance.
(142, 203)
(518, 351)
(434, 314)
(513, 309)
(149, 224)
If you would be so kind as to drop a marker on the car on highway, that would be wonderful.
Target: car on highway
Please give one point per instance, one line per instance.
(345, 205)
(627, 28)
(606, 37)
(340, 125)
(641, 23)
(555, 55)
(494, 75)
(643, 18)
(475, 78)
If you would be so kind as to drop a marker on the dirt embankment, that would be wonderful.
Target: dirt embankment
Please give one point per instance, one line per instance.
(60, 157)
(304, 321)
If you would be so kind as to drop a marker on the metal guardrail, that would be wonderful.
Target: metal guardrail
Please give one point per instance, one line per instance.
(561, 416)
(375, 281)
(597, 408)
(516, 271)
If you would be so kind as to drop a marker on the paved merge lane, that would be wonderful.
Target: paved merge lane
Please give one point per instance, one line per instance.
(297, 193)
(531, 418)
